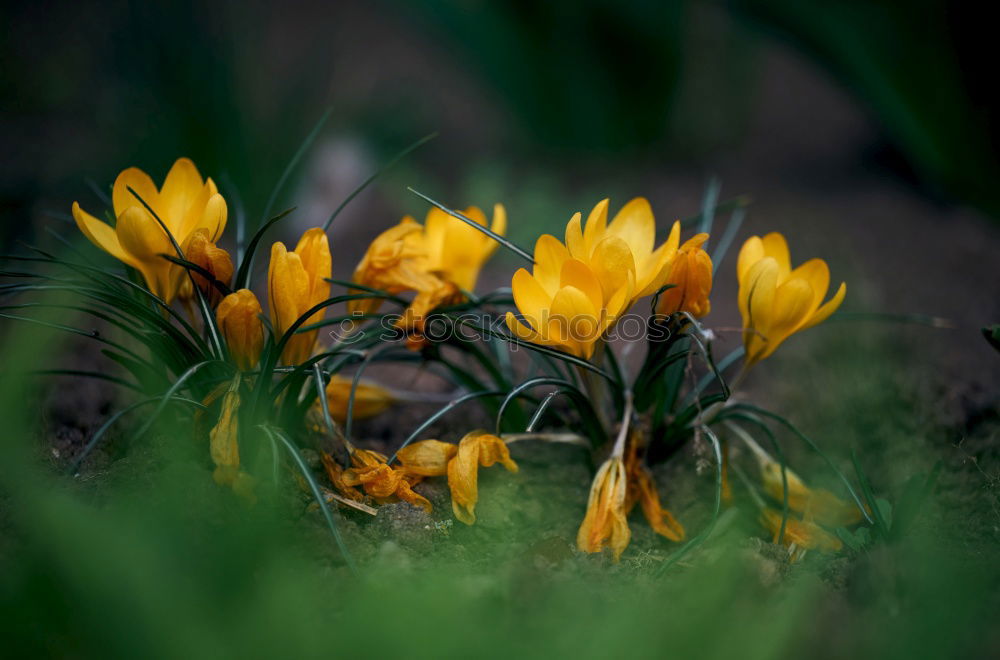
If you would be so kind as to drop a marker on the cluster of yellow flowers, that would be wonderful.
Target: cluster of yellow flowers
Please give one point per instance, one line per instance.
(576, 292)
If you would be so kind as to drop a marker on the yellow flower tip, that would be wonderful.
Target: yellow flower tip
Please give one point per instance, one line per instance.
(224, 446)
(185, 203)
(238, 316)
(369, 399)
(605, 524)
(201, 251)
(690, 271)
(475, 449)
(800, 535)
(296, 282)
(777, 301)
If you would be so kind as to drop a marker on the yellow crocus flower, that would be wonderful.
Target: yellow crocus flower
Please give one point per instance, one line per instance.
(605, 522)
(369, 399)
(238, 316)
(431, 458)
(296, 282)
(185, 203)
(777, 301)
(380, 480)
(690, 271)
(455, 251)
(624, 246)
(565, 301)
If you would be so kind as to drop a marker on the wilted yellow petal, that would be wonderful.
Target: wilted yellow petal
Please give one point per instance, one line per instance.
(475, 449)
(427, 458)
(605, 523)
(369, 399)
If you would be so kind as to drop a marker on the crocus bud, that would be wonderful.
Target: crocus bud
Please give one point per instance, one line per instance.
(690, 272)
(201, 251)
(296, 282)
(239, 320)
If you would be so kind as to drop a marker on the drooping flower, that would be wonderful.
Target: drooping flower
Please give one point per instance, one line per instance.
(605, 523)
(564, 302)
(394, 264)
(224, 446)
(811, 503)
(238, 316)
(369, 399)
(800, 535)
(437, 261)
(429, 458)
(622, 247)
(641, 489)
(690, 271)
(776, 301)
(201, 251)
(296, 282)
(185, 203)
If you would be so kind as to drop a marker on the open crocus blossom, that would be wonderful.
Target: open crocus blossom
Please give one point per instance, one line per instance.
(564, 302)
(296, 282)
(429, 458)
(238, 316)
(605, 522)
(690, 273)
(777, 301)
(369, 399)
(185, 203)
(455, 251)
(623, 249)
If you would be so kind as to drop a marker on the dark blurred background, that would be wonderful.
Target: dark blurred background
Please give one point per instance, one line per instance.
(866, 130)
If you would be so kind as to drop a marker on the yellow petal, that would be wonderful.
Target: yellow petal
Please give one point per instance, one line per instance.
(238, 315)
(613, 264)
(549, 257)
(635, 225)
(427, 458)
(314, 250)
(142, 237)
(574, 238)
(793, 302)
(477, 447)
(596, 227)
(574, 320)
(532, 301)
(817, 274)
(751, 252)
(605, 521)
(181, 189)
(102, 235)
(828, 308)
(140, 182)
(577, 274)
(657, 265)
(776, 247)
(520, 330)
